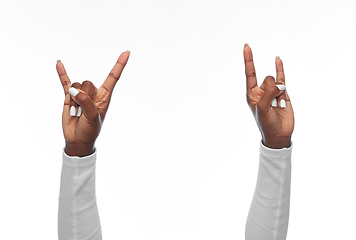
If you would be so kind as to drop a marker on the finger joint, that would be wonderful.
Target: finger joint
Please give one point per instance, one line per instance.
(113, 76)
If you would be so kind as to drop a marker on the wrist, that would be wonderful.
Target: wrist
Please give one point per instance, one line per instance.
(79, 149)
(277, 143)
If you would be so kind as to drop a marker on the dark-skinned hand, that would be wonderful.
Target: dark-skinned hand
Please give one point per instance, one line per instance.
(276, 123)
(85, 108)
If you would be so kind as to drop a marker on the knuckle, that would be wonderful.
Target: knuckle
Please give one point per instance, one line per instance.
(76, 85)
(269, 81)
(88, 87)
(65, 83)
(113, 76)
(270, 78)
(251, 73)
(86, 82)
(82, 97)
(281, 80)
(120, 63)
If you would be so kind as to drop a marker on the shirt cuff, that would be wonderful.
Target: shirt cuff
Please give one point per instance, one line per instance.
(273, 151)
(75, 161)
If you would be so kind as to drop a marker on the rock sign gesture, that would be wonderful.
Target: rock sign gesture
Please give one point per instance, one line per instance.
(270, 104)
(85, 108)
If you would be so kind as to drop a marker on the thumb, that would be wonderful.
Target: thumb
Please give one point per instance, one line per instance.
(90, 111)
(264, 104)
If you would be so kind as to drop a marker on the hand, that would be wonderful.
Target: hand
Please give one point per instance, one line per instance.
(275, 123)
(85, 108)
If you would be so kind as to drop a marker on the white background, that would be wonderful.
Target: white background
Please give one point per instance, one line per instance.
(178, 152)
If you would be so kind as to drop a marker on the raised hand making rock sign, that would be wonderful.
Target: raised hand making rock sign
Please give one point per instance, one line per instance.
(85, 108)
(270, 104)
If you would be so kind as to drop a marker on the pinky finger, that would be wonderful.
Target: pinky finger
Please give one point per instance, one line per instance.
(280, 71)
(281, 83)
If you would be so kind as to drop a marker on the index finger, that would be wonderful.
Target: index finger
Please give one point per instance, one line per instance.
(115, 73)
(251, 80)
(63, 76)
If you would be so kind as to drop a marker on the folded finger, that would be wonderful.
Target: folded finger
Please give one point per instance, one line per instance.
(89, 88)
(282, 99)
(72, 111)
(73, 105)
(79, 113)
(279, 102)
(268, 82)
(267, 100)
(86, 104)
(280, 89)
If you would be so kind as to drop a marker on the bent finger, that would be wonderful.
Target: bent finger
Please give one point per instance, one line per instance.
(282, 100)
(88, 107)
(89, 88)
(268, 82)
(265, 103)
(73, 105)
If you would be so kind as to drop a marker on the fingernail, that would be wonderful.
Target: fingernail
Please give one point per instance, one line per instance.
(72, 111)
(58, 61)
(72, 91)
(274, 102)
(246, 45)
(278, 57)
(128, 51)
(283, 103)
(79, 112)
(282, 87)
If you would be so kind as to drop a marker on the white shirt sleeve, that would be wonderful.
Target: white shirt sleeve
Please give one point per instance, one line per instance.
(78, 217)
(269, 212)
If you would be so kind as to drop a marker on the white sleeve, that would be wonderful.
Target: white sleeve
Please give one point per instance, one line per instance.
(269, 212)
(78, 217)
